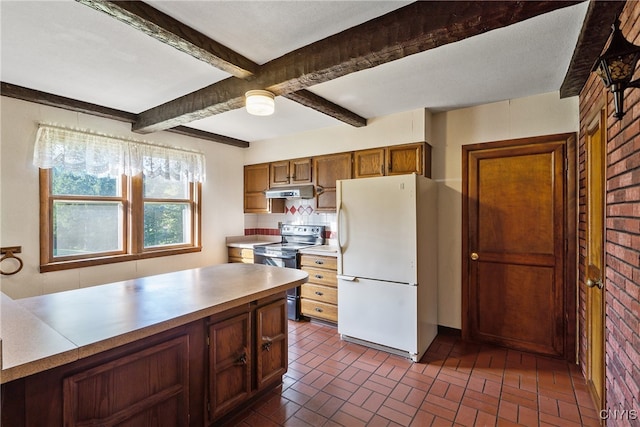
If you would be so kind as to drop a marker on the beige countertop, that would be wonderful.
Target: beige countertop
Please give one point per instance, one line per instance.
(324, 250)
(249, 242)
(43, 332)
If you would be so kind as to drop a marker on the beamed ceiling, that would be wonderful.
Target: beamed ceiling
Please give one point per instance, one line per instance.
(184, 66)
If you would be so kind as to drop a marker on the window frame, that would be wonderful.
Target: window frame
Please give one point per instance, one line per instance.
(132, 198)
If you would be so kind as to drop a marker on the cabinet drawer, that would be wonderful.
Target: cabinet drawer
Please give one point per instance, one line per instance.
(320, 293)
(319, 261)
(321, 277)
(318, 309)
(240, 253)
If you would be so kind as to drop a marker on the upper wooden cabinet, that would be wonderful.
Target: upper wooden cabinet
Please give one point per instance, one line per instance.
(328, 169)
(256, 181)
(393, 160)
(288, 172)
(403, 159)
(368, 163)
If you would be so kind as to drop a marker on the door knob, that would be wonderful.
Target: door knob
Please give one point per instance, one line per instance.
(595, 283)
(474, 256)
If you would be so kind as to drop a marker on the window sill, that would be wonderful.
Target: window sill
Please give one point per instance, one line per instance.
(112, 259)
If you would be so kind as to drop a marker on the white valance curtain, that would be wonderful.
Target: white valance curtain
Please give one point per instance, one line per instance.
(80, 151)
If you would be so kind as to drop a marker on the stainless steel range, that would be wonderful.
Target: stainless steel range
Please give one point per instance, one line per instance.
(285, 254)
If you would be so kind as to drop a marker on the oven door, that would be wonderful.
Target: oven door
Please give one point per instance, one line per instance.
(277, 261)
(293, 294)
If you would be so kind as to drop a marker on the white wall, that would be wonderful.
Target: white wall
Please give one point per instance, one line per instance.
(19, 203)
(532, 116)
(401, 128)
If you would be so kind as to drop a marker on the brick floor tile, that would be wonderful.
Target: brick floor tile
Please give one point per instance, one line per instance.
(422, 419)
(307, 416)
(508, 411)
(330, 407)
(400, 392)
(395, 415)
(338, 392)
(374, 402)
(415, 397)
(347, 420)
(466, 416)
(356, 411)
(360, 396)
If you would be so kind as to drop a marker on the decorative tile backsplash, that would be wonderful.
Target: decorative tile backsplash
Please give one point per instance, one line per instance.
(297, 211)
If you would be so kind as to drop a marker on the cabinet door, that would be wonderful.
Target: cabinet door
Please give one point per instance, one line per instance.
(272, 345)
(279, 173)
(147, 388)
(229, 363)
(300, 171)
(256, 181)
(403, 159)
(329, 169)
(368, 163)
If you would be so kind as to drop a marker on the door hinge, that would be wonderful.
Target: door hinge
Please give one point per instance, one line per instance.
(566, 164)
(208, 341)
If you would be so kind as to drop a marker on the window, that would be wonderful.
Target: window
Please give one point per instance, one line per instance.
(92, 214)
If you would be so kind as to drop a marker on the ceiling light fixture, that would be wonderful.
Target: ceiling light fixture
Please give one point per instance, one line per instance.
(260, 102)
(616, 67)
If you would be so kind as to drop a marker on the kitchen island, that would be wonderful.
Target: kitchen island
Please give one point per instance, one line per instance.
(182, 348)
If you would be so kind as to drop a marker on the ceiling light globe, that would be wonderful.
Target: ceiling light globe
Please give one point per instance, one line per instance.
(260, 102)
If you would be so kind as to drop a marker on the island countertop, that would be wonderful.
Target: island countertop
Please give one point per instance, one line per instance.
(43, 332)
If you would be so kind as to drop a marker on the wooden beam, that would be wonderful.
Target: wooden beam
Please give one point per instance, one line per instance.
(168, 30)
(38, 97)
(318, 103)
(197, 133)
(31, 95)
(415, 28)
(594, 34)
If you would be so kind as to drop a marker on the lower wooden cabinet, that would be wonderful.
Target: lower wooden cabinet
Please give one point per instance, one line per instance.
(319, 298)
(244, 255)
(146, 388)
(248, 353)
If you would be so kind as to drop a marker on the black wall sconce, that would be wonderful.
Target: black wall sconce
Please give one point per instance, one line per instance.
(616, 66)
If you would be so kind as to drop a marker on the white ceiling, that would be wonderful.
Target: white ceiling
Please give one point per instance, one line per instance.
(71, 50)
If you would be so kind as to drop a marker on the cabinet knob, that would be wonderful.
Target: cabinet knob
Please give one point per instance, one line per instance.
(266, 346)
(318, 309)
(319, 262)
(474, 256)
(319, 276)
(319, 293)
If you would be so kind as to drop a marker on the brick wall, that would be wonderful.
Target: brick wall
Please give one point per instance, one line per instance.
(622, 234)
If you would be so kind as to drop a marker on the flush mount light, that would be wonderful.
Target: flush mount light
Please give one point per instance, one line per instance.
(260, 102)
(616, 67)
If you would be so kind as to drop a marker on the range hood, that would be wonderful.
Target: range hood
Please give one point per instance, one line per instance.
(293, 192)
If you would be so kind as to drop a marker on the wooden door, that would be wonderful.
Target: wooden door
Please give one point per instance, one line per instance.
(514, 244)
(594, 260)
(328, 169)
(272, 355)
(403, 159)
(368, 163)
(229, 364)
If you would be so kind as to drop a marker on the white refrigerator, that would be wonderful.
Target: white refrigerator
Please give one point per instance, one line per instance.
(387, 263)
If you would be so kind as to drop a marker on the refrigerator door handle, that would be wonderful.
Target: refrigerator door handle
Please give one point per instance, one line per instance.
(340, 231)
(347, 278)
